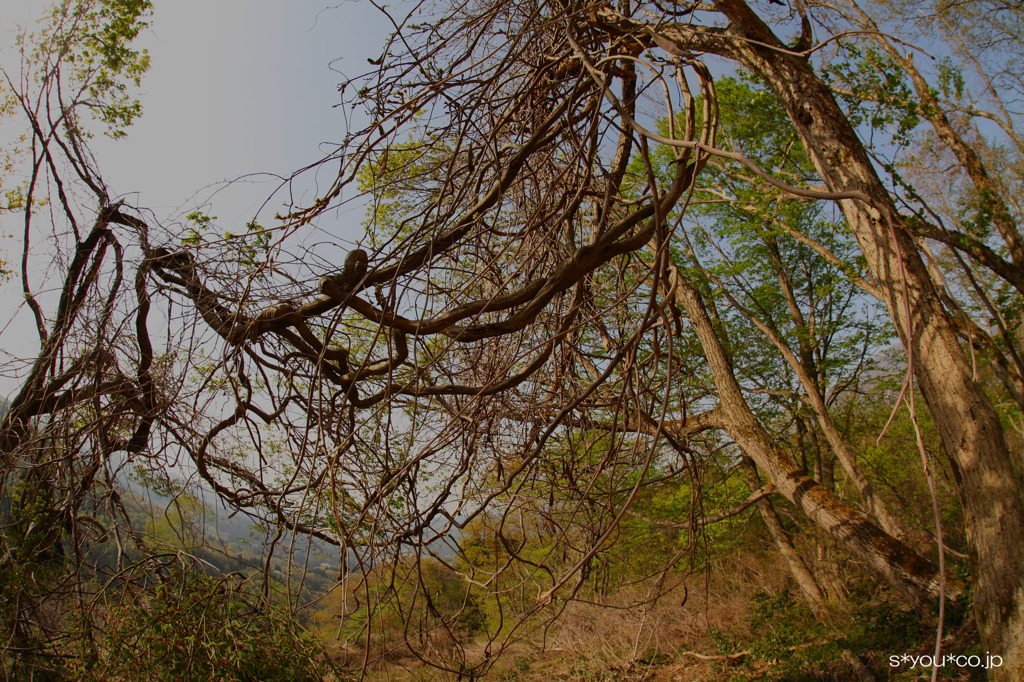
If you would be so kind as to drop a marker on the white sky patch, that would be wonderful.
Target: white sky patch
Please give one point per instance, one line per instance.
(235, 88)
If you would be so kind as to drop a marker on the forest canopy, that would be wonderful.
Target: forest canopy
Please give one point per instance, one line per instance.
(642, 291)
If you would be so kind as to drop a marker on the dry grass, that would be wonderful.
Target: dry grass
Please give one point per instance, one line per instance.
(624, 642)
(685, 636)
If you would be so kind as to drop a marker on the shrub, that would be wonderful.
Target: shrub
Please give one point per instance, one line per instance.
(194, 627)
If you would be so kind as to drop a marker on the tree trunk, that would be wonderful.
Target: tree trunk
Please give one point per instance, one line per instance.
(813, 595)
(913, 575)
(971, 433)
(808, 375)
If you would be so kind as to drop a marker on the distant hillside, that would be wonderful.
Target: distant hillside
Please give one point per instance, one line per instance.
(224, 543)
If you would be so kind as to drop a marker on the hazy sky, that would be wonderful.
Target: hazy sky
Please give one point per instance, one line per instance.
(240, 86)
(235, 87)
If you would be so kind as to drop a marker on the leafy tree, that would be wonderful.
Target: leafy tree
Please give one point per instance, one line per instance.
(536, 334)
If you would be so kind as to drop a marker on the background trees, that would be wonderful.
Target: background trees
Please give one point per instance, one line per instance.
(603, 300)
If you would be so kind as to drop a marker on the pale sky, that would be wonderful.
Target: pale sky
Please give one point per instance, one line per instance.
(236, 87)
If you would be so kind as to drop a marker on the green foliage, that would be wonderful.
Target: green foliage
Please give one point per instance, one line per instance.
(795, 647)
(783, 622)
(95, 37)
(180, 524)
(876, 92)
(252, 249)
(34, 545)
(885, 627)
(82, 58)
(192, 627)
(199, 223)
(742, 245)
(951, 79)
(419, 601)
(894, 462)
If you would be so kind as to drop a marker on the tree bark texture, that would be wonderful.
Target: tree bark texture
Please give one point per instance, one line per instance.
(914, 576)
(813, 595)
(971, 434)
(969, 427)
